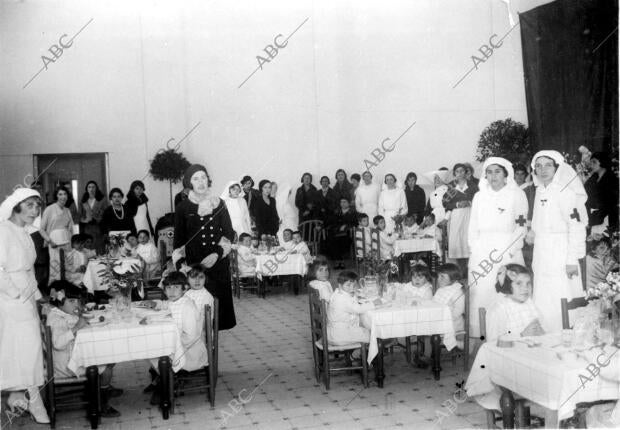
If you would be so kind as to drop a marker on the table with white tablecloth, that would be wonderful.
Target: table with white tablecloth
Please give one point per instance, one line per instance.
(550, 375)
(427, 318)
(120, 341)
(93, 281)
(418, 244)
(281, 264)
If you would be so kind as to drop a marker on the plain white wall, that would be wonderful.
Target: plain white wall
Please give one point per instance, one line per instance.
(355, 73)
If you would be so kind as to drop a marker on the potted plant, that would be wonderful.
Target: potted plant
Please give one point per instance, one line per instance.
(505, 138)
(169, 165)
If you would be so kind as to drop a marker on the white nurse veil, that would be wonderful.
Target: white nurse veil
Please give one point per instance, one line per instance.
(510, 179)
(226, 195)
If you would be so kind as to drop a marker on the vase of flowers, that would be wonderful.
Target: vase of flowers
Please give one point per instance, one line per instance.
(605, 292)
(379, 271)
(113, 245)
(398, 224)
(121, 277)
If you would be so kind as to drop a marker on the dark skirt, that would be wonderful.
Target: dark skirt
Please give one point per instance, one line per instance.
(219, 285)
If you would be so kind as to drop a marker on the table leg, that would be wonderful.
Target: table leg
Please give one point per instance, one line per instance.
(522, 415)
(165, 381)
(296, 283)
(507, 405)
(436, 355)
(94, 401)
(378, 365)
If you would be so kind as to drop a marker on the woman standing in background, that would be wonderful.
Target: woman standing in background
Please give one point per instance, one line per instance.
(93, 205)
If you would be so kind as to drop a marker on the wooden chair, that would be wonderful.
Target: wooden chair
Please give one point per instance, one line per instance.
(205, 378)
(313, 232)
(63, 263)
(322, 351)
(243, 282)
(61, 393)
(566, 306)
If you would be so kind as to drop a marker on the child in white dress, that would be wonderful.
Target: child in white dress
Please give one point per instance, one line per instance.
(76, 260)
(89, 249)
(300, 247)
(65, 319)
(410, 226)
(513, 312)
(321, 279)
(198, 293)
(343, 312)
(363, 236)
(419, 288)
(130, 248)
(386, 239)
(450, 292)
(287, 240)
(246, 261)
(148, 253)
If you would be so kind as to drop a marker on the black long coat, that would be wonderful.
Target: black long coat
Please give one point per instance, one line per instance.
(200, 235)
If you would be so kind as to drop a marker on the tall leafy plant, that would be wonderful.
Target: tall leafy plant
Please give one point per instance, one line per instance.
(169, 165)
(505, 138)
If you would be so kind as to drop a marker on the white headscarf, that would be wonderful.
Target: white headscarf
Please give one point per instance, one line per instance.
(443, 175)
(397, 184)
(226, 194)
(565, 177)
(18, 196)
(282, 197)
(484, 185)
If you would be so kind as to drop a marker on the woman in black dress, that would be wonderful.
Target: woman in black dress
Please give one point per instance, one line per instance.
(602, 189)
(203, 228)
(306, 200)
(116, 217)
(267, 220)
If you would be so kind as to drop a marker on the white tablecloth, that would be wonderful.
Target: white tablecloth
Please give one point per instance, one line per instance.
(402, 246)
(425, 319)
(127, 341)
(281, 264)
(539, 375)
(92, 280)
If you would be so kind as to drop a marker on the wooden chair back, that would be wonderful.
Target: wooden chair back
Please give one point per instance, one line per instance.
(482, 315)
(375, 241)
(61, 254)
(566, 306)
(313, 232)
(318, 319)
(163, 254)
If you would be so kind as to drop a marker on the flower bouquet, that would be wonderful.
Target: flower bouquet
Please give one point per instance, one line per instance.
(121, 277)
(606, 291)
(378, 271)
(398, 223)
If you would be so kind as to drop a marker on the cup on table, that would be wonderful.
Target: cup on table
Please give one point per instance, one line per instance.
(567, 337)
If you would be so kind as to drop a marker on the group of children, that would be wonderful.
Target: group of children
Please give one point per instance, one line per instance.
(344, 310)
(186, 300)
(363, 236)
(248, 247)
(137, 246)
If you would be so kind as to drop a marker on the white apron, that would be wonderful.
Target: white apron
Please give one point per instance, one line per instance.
(140, 219)
(21, 354)
(457, 233)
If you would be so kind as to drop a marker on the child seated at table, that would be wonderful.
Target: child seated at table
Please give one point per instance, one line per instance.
(320, 273)
(130, 247)
(386, 239)
(420, 286)
(513, 311)
(246, 261)
(599, 262)
(450, 292)
(65, 319)
(287, 240)
(410, 226)
(300, 247)
(343, 312)
(363, 239)
(89, 249)
(148, 253)
(76, 260)
(197, 278)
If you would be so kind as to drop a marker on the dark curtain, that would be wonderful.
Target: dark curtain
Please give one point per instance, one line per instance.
(570, 61)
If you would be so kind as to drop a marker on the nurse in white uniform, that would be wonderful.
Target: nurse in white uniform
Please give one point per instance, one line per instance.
(367, 196)
(558, 235)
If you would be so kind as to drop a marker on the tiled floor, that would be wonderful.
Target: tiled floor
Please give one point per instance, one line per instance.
(267, 381)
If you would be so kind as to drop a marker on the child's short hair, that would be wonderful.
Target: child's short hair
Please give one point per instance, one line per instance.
(289, 230)
(77, 239)
(518, 167)
(243, 236)
(175, 278)
(346, 276)
(377, 218)
(361, 216)
(196, 270)
(145, 232)
(131, 235)
(452, 270)
(356, 176)
(506, 272)
(70, 291)
(422, 270)
(319, 261)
